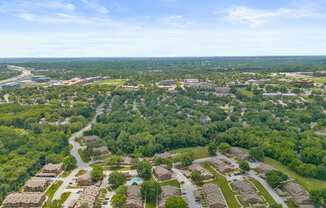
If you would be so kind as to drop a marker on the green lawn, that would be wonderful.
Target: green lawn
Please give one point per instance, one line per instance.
(171, 183)
(80, 173)
(198, 152)
(226, 190)
(150, 205)
(111, 82)
(308, 183)
(263, 191)
(64, 197)
(50, 193)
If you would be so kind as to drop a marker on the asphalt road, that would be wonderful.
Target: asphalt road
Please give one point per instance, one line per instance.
(81, 165)
(188, 188)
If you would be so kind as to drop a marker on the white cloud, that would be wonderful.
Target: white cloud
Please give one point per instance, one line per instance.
(95, 6)
(177, 21)
(257, 17)
(164, 42)
(16, 6)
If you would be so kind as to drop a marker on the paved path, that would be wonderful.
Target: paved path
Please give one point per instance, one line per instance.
(81, 165)
(188, 188)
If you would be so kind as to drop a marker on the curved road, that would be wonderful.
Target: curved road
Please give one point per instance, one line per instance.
(81, 165)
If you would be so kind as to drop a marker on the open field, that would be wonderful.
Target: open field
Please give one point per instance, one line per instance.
(224, 185)
(111, 82)
(171, 183)
(198, 152)
(308, 183)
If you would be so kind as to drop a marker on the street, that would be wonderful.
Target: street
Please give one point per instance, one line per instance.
(81, 165)
(188, 188)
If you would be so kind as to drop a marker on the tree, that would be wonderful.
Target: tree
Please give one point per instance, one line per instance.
(224, 147)
(150, 190)
(175, 202)
(319, 198)
(257, 153)
(196, 177)
(244, 166)
(69, 163)
(275, 178)
(97, 173)
(276, 206)
(118, 201)
(144, 169)
(212, 148)
(186, 158)
(116, 179)
(115, 161)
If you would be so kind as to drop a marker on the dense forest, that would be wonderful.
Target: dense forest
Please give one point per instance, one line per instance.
(35, 126)
(173, 67)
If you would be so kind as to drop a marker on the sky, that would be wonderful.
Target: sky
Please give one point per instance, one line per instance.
(161, 28)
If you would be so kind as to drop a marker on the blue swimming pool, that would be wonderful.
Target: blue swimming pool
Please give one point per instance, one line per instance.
(135, 181)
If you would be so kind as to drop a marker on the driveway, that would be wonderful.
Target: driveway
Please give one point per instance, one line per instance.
(188, 188)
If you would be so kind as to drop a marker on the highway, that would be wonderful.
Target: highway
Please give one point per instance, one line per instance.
(25, 73)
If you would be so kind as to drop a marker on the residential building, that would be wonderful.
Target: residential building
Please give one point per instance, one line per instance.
(213, 196)
(24, 200)
(162, 173)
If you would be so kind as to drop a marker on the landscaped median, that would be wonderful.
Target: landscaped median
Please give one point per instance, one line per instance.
(263, 191)
(51, 191)
(221, 181)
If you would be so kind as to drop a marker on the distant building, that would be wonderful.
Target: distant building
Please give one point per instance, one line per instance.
(248, 193)
(164, 156)
(36, 184)
(167, 82)
(222, 165)
(134, 198)
(238, 153)
(205, 174)
(88, 197)
(52, 168)
(90, 139)
(24, 200)
(279, 94)
(162, 173)
(191, 81)
(40, 79)
(213, 196)
(263, 169)
(298, 194)
(103, 150)
(128, 161)
(167, 192)
(85, 180)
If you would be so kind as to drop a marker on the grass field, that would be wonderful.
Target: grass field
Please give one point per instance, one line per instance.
(263, 192)
(226, 190)
(111, 82)
(171, 183)
(50, 193)
(198, 152)
(308, 183)
(150, 205)
(80, 173)
(64, 197)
